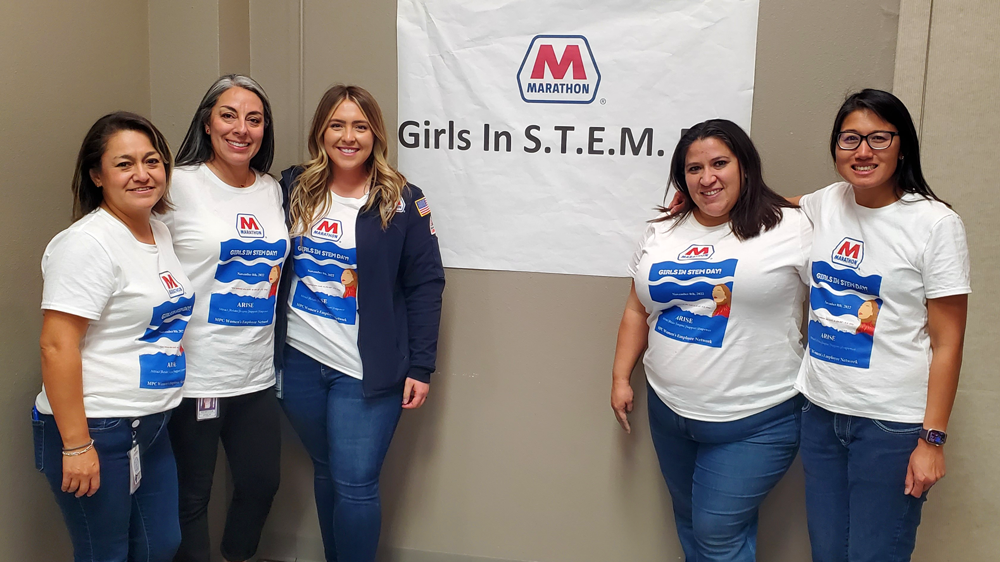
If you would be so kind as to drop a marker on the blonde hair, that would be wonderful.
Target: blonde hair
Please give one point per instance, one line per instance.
(309, 191)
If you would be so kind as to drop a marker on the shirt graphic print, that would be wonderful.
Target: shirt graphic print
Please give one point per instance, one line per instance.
(844, 307)
(247, 276)
(166, 367)
(699, 292)
(327, 281)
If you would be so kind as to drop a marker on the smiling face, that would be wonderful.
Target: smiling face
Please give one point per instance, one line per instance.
(236, 127)
(713, 180)
(869, 171)
(131, 176)
(348, 139)
(274, 274)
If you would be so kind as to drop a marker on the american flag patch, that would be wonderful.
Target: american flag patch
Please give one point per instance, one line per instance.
(422, 207)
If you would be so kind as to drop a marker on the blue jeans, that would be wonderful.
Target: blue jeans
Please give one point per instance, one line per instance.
(855, 473)
(347, 437)
(112, 525)
(719, 473)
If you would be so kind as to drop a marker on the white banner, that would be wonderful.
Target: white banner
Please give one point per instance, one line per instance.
(542, 130)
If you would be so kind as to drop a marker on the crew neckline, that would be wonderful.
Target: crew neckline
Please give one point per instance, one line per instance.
(692, 222)
(350, 201)
(101, 211)
(891, 207)
(217, 181)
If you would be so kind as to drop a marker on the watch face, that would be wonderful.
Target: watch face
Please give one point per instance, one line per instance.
(935, 437)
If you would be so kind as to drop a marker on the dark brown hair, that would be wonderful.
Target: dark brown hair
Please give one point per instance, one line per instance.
(909, 177)
(758, 207)
(87, 196)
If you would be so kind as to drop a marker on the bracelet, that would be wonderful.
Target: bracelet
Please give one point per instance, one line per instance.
(74, 451)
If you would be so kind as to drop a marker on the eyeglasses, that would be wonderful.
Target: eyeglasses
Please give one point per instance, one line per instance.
(877, 140)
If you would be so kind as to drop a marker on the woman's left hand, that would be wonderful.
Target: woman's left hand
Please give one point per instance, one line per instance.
(414, 393)
(926, 467)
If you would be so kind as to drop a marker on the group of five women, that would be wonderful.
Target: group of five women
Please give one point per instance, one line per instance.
(176, 321)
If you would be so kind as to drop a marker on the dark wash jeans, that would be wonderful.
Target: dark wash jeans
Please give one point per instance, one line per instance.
(719, 473)
(855, 474)
(112, 525)
(249, 427)
(347, 437)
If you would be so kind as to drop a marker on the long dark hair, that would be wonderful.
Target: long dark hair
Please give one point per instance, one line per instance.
(196, 148)
(758, 207)
(909, 177)
(87, 196)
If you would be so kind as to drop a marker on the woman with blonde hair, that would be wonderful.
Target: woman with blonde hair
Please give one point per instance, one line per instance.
(348, 345)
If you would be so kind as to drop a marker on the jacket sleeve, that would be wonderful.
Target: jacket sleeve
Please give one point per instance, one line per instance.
(287, 179)
(422, 277)
(285, 284)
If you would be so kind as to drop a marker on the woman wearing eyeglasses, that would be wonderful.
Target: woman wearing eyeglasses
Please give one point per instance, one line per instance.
(879, 395)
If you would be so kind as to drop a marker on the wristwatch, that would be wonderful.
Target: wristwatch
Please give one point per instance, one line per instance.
(933, 436)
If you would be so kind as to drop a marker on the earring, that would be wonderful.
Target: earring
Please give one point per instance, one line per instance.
(207, 132)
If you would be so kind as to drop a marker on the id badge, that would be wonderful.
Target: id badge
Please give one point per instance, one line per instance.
(208, 408)
(277, 383)
(135, 469)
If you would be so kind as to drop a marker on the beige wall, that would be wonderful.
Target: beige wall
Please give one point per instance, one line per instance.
(517, 455)
(64, 64)
(191, 43)
(954, 85)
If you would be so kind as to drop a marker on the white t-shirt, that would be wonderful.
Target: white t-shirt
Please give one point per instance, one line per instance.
(724, 315)
(323, 301)
(872, 273)
(138, 301)
(231, 242)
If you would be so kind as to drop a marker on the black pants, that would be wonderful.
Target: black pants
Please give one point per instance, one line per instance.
(248, 426)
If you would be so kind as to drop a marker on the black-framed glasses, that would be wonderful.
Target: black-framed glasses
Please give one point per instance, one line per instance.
(877, 140)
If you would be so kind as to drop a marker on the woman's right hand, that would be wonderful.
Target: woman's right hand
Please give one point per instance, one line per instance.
(621, 403)
(678, 204)
(82, 474)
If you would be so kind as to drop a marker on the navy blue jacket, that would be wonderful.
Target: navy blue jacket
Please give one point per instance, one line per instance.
(399, 294)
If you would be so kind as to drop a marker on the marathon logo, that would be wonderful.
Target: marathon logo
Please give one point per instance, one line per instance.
(328, 229)
(849, 252)
(248, 226)
(696, 252)
(559, 69)
(174, 289)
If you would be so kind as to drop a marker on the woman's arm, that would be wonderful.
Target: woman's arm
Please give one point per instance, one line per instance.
(62, 374)
(422, 276)
(632, 336)
(946, 327)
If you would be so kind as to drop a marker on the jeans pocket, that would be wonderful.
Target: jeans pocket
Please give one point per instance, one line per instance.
(38, 435)
(898, 428)
(103, 424)
(806, 405)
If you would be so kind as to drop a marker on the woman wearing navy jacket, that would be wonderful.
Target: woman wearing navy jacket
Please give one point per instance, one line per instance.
(361, 291)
